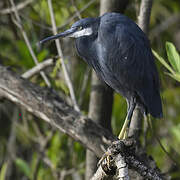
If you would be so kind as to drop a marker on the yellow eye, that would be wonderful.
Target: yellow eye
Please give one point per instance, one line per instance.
(80, 28)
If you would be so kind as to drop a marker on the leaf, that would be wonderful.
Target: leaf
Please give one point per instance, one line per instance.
(23, 167)
(56, 68)
(162, 61)
(176, 76)
(173, 56)
(41, 56)
(3, 171)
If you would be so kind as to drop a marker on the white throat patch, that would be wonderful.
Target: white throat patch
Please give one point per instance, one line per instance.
(83, 32)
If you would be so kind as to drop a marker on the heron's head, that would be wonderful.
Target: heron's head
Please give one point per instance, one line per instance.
(83, 27)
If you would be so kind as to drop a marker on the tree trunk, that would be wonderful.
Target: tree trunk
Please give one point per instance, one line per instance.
(101, 98)
(143, 22)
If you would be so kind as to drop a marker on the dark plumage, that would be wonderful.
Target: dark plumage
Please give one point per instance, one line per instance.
(120, 53)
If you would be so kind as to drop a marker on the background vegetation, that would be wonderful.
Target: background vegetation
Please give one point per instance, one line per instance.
(30, 148)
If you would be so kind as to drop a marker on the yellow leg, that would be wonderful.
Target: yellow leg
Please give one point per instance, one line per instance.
(123, 134)
(124, 131)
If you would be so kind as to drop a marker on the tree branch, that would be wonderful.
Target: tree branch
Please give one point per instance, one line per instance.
(38, 68)
(47, 105)
(76, 14)
(144, 15)
(143, 22)
(122, 155)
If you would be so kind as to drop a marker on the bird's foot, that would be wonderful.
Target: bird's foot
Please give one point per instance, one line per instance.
(107, 163)
(106, 157)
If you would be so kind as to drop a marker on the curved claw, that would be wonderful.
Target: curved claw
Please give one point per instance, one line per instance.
(106, 155)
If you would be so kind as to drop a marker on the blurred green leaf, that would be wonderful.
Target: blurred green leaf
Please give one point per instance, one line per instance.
(163, 62)
(56, 68)
(174, 60)
(34, 163)
(42, 55)
(175, 76)
(173, 56)
(54, 148)
(3, 171)
(59, 83)
(176, 132)
(25, 57)
(23, 167)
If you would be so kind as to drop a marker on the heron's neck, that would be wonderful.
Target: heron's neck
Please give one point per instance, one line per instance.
(86, 49)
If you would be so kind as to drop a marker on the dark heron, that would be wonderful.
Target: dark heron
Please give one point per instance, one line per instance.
(118, 50)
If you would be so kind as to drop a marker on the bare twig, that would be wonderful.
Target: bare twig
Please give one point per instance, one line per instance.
(144, 15)
(43, 26)
(20, 6)
(76, 14)
(19, 25)
(37, 69)
(58, 45)
(76, 9)
(67, 21)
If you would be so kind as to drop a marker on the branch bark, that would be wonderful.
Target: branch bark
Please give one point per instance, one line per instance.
(144, 15)
(47, 105)
(143, 22)
(122, 155)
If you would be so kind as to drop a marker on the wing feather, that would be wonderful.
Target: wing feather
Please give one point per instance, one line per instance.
(128, 64)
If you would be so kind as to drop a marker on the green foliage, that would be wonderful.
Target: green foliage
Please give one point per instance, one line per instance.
(53, 151)
(174, 60)
(119, 113)
(23, 167)
(59, 83)
(176, 133)
(3, 171)
(173, 56)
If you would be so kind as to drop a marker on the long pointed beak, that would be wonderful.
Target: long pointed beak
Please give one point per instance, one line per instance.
(63, 34)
